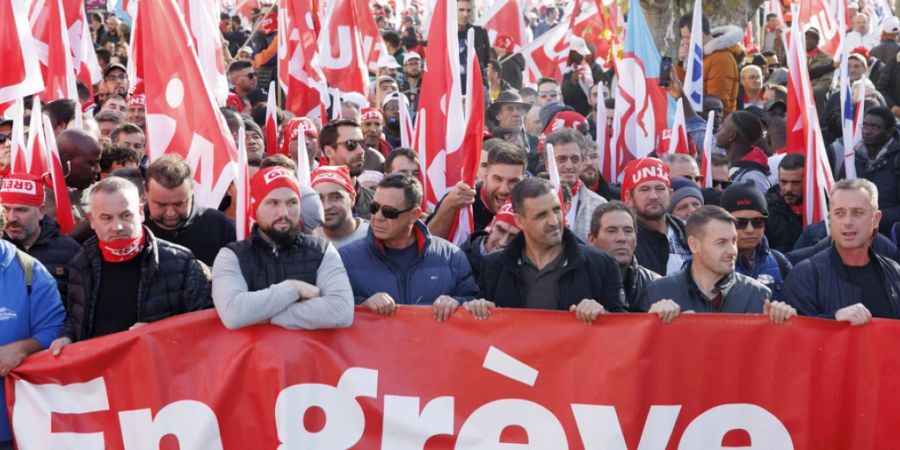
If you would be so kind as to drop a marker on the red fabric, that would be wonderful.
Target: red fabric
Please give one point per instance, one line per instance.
(266, 181)
(339, 175)
(301, 79)
(232, 101)
(140, 100)
(642, 170)
(333, 384)
(49, 28)
(121, 250)
(505, 215)
(290, 131)
(756, 156)
(22, 189)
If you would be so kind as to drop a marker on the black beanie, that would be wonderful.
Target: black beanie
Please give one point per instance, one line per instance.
(744, 196)
(747, 124)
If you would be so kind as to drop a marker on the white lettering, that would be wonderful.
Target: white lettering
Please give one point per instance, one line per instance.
(193, 423)
(35, 403)
(482, 429)
(708, 429)
(600, 429)
(406, 429)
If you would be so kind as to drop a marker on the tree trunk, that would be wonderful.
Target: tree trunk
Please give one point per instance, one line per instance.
(662, 17)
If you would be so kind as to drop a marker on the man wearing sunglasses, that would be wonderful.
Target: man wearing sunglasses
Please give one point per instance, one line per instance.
(242, 77)
(400, 262)
(343, 144)
(755, 259)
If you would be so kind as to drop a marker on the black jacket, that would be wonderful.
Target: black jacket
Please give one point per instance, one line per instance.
(743, 295)
(888, 80)
(172, 282)
(820, 286)
(783, 227)
(511, 70)
(588, 273)
(637, 278)
(204, 233)
(472, 249)
(815, 238)
(885, 173)
(55, 251)
(653, 247)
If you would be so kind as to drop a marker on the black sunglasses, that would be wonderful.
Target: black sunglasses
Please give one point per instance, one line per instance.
(721, 184)
(251, 75)
(4, 138)
(351, 144)
(757, 222)
(386, 211)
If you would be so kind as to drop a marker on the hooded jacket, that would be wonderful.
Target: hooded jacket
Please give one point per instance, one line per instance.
(720, 71)
(884, 171)
(204, 233)
(769, 267)
(754, 166)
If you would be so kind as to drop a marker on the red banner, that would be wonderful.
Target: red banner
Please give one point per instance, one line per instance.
(408, 382)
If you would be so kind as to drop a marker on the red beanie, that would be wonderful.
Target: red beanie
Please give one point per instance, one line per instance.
(505, 214)
(643, 170)
(339, 175)
(292, 129)
(266, 181)
(22, 189)
(370, 114)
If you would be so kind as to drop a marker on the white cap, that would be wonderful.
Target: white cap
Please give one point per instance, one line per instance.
(411, 55)
(356, 98)
(891, 25)
(577, 44)
(388, 62)
(248, 49)
(853, 5)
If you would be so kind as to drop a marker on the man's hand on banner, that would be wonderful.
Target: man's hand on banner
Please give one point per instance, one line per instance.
(480, 309)
(444, 307)
(587, 311)
(667, 310)
(381, 303)
(778, 312)
(856, 314)
(57, 345)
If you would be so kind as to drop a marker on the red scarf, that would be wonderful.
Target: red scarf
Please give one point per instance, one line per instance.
(575, 189)
(121, 250)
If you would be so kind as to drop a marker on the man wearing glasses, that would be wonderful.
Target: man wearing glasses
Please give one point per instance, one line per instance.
(755, 259)
(242, 77)
(343, 144)
(116, 80)
(400, 262)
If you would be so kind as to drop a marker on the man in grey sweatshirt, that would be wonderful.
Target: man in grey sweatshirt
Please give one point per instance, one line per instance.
(279, 275)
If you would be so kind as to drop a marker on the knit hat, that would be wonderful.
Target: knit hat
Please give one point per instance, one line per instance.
(684, 188)
(505, 214)
(643, 170)
(266, 181)
(339, 175)
(22, 189)
(744, 196)
(368, 114)
(136, 100)
(504, 42)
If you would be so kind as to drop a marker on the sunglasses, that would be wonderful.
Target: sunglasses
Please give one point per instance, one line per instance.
(757, 222)
(251, 75)
(386, 211)
(351, 144)
(4, 138)
(696, 179)
(721, 184)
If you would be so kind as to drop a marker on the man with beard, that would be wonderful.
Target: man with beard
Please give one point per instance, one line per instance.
(343, 144)
(173, 215)
(593, 179)
(34, 232)
(661, 241)
(337, 194)
(412, 78)
(116, 79)
(785, 222)
(390, 108)
(279, 275)
(492, 239)
(545, 267)
(400, 262)
(124, 277)
(878, 160)
(372, 122)
(505, 168)
(570, 149)
(709, 284)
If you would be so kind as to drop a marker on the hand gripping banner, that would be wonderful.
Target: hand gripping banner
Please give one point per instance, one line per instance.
(519, 380)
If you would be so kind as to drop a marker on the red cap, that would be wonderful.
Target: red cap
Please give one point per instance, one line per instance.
(339, 175)
(564, 119)
(505, 214)
(504, 42)
(292, 128)
(642, 170)
(22, 189)
(266, 181)
(234, 102)
(370, 114)
(136, 100)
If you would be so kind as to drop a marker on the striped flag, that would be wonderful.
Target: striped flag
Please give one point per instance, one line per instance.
(706, 159)
(64, 216)
(271, 121)
(693, 79)
(242, 192)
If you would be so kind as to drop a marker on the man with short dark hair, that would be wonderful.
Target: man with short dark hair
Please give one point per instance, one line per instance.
(173, 215)
(132, 137)
(738, 135)
(337, 194)
(878, 160)
(709, 283)
(785, 200)
(614, 231)
(60, 112)
(848, 281)
(403, 160)
(124, 277)
(279, 275)
(117, 157)
(545, 267)
(242, 77)
(505, 168)
(107, 121)
(342, 143)
(400, 262)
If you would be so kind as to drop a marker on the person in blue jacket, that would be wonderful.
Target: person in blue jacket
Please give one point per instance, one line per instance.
(755, 259)
(31, 314)
(400, 262)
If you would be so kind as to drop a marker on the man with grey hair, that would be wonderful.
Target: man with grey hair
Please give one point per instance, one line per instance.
(848, 281)
(570, 149)
(125, 277)
(685, 166)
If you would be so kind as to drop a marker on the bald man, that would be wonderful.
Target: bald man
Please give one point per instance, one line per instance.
(79, 154)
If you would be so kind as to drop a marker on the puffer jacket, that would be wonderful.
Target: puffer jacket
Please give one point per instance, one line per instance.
(172, 282)
(770, 268)
(55, 251)
(820, 286)
(440, 269)
(743, 295)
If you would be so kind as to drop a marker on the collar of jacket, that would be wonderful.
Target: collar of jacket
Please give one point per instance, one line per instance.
(423, 238)
(672, 222)
(890, 147)
(722, 286)
(841, 270)
(756, 159)
(512, 254)
(192, 216)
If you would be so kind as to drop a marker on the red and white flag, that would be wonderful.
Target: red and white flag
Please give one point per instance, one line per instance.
(818, 14)
(271, 122)
(64, 216)
(467, 159)
(679, 141)
(51, 40)
(84, 57)
(299, 68)
(202, 17)
(607, 157)
(504, 18)
(182, 116)
(439, 121)
(21, 74)
(17, 145)
(804, 133)
(242, 215)
(597, 24)
(407, 130)
(706, 159)
(349, 45)
(548, 55)
(34, 159)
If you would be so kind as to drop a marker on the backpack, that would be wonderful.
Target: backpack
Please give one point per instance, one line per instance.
(27, 263)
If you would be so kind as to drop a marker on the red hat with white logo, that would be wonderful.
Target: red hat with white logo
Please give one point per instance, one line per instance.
(22, 189)
(368, 114)
(644, 170)
(266, 181)
(339, 175)
(505, 214)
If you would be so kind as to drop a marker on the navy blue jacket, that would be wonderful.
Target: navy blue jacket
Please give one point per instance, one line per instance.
(770, 267)
(820, 286)
(440, 269)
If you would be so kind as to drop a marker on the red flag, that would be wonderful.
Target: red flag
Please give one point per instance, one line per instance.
(597, 25)
(84, 58)
(439, 122)
(705, 162)
(749, 43)
(818, 14)
(48, 25)
(201, 16)
(468, 157)
(505, 18)
(64, 216)
(182, 117)
(679, 142)
(299, 70)
(350, 45)
(272, 122)
(21, 75)
(34, 159)
(548, 55)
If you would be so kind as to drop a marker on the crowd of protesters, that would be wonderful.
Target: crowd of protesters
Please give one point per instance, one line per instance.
(361, 233)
